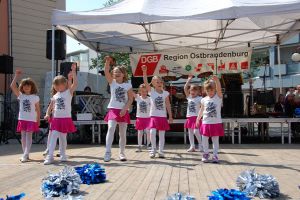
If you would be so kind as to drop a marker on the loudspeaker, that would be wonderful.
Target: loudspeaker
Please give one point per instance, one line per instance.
(6, 64)
(65, 68)
(232, 82)
(60, 45)
(265, 98)
(233, 104)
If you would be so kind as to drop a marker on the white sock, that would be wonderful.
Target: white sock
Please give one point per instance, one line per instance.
(153, 139)
(148, 137)
(28, 143)
(23, 141)
(122, 134)
(191, 137)
(140, 137)
(52, 144)
(62, 144)
(215, 141)
(205, 144)
(110, 134)
(198, 136)
(48, 140)
(161, 141)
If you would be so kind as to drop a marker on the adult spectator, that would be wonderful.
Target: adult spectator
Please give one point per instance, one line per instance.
(289, 105)
(279, 105)
(290, 91)
(297, 96)
(87, 89)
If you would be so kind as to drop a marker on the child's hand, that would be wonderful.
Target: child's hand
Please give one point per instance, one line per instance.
(73, 67)
(190, 77)
(18, 72)
(144, 68)
(47, 117)
(108, 60)
(70, 76)
(170, 120)
(214, 78)
(122, 113)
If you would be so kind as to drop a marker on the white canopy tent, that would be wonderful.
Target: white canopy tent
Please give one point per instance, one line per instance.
(164, 25)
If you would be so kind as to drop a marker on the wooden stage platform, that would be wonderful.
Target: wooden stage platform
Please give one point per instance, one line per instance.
(144, 178)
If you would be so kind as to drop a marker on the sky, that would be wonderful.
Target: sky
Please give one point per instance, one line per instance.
(80, 5)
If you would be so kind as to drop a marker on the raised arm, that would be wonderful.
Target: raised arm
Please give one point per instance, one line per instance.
(70, 79)
(218, 86)
(13, 84)
(168, 106)
(128, 104)
(144, 68)
(108, 61)
(186, 86)
(75, 81)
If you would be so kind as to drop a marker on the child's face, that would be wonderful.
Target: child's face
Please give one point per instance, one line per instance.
(118, 75)
(60, 87)
(211, 92)
(158, 84)
(143, 92)
(194, 92)
(27, 89)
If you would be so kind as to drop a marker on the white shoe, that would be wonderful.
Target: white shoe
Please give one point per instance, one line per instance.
(161, 154)
(149, 147)
(152, 153)
(48, 160)
(24, 158)
(63, 158)
(191, 149)
(107, 156)
(122, 157)
(45, 153)
(139, 149)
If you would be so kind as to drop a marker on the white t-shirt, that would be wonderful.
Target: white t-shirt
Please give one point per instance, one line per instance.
(27, 110)
(212, 110)
(193, 107)
(119, 95)
(158, 103)
(62, 104)
(143, 107)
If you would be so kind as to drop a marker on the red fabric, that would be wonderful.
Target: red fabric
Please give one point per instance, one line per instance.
(27, 126)
(142, 123)
(63, 125)
(211, 130)
(159, 123)
(114, 114)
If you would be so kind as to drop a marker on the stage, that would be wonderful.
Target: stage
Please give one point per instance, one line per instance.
(144, 178)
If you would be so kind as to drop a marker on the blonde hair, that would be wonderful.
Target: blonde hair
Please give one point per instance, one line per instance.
(156, 78)
(28, 81)
(142, 86)
(57, 81)
(195, 87)
(123, 70)
(209, 85)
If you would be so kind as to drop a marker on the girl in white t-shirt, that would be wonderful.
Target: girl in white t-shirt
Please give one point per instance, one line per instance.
(61, 123)
(142, 115)
(210, 112)
(192, 93)
(29, 111)
(120, 101)
(160, 105)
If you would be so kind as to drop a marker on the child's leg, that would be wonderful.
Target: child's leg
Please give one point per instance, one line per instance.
(161, 141)
(62, 144)
(215, 141)
(110, 134)
(52, 144)
(23, 140)
(48, 140)
(122, 134)
(205, 144)
(140, 137)
(153, 139)
(198, 136)
(191, 138)
(28, 143)
(148, 137)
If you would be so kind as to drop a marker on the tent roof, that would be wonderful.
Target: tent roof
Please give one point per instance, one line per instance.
(157, 25)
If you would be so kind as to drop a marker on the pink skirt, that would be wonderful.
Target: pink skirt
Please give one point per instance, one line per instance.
(210, 130)
(114, 114)
(63, 125)
(191, 122)
(159, 123)
(142, 123)
(27, 126)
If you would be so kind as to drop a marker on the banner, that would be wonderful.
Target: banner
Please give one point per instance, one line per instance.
(192, 62)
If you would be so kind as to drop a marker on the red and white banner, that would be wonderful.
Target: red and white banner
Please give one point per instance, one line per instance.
(192, 62)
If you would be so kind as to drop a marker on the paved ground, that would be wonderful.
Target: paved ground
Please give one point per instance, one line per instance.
(144, 178)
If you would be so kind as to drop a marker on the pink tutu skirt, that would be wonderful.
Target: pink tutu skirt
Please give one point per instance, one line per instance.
(27, 126)
(142, 123)
(191, 122)
(63, 125)
(159, 123)
(114, 114)
(211, 130)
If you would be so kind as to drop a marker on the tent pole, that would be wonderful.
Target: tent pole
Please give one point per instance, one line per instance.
(53, 51)
(279, 70)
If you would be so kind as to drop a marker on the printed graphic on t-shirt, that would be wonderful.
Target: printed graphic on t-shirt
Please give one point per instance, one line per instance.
(26, 105)
(211, 109)
(159, 103)
(120, 94)
(192, 107)
(60, 104)
(143, 107)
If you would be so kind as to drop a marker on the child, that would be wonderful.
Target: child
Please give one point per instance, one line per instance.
(194, 102)
(211, 123)
(61, 123)
(160, 104)
(29, 111)
(142, 115)
(120, 101)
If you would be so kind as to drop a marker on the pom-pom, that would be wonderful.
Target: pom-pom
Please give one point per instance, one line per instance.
(228, 194)
(180, 196)
(91, 173)
(66, 182)
(17, 197)
(253, 184)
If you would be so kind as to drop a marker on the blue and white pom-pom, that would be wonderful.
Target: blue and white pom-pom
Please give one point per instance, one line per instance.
(66, 182)
(228, 194)
(180, 196)
(17, 197)
(254, 184)
(91, 173)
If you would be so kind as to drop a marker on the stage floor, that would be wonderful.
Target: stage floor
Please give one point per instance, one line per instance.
(144, 178)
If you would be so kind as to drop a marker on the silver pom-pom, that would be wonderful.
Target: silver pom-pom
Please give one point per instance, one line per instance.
(254, 184)
(180, 196)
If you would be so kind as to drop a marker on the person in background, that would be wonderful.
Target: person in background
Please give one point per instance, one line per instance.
(290, 91)
(289, 105)
(279, 105)
(297, 96)
(87, 89)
